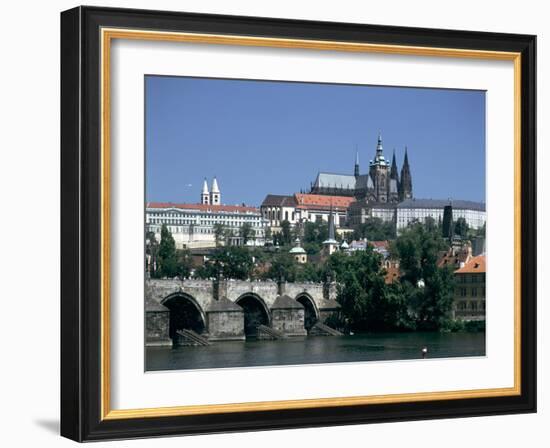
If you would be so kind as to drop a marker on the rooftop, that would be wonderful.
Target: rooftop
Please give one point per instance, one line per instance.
(475, 265)
(333, 180)
(278, 200)
(312, 200)
(385, 244)
(203, 207)
(440, 203)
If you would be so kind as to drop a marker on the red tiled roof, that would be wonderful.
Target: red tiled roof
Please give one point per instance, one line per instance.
(206, 207)
(322, 201)
(380, 244)
(392, 274)
(453, 259)
(475, 265)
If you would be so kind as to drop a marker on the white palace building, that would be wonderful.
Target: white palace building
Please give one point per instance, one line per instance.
(193, 225)
(417, 210)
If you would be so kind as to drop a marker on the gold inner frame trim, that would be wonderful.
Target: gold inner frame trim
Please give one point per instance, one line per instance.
(107, 35)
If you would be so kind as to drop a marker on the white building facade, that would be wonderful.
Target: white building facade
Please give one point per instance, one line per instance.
(417, 210)
(193, 225)
(301, 208)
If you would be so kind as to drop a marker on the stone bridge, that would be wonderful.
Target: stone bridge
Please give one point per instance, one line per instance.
(235, 309)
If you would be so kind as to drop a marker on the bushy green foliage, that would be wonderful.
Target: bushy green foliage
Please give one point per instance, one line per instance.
(167, 264)
(418, 249)
(246, 232)
(368, 304)
(220, 233)
(283, 268)
(286, 233)
(461, 227)
(315, 233)
(228, 262)
(184, 263)
(374, 229)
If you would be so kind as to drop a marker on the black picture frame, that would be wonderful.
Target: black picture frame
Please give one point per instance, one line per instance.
(81, 210)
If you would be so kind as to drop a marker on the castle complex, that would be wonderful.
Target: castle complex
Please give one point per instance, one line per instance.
(382, 184)
(348, 199)
(383, 192)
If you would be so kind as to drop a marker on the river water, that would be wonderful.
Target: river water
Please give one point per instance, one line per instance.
(316, 350)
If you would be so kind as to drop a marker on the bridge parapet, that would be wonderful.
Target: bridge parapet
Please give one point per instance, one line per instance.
(156, 290)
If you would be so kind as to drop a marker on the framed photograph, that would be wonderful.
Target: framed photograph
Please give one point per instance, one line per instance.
(273, 223)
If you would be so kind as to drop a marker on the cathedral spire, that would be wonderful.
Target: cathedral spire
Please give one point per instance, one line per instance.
(379, 148)
(405, 186)
(406, 160)
(393, 171)
(356, 168)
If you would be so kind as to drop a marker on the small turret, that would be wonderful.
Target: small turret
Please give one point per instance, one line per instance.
(215, 194)
(205, 195)
(330, 243)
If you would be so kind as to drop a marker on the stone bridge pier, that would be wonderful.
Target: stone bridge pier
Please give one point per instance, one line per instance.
(235, 309)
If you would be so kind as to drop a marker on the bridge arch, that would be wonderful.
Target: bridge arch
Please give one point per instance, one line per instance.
(256, 312)
(185, 313)
(311, 311)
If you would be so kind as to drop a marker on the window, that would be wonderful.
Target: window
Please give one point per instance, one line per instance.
(462, 292)
(474, 292)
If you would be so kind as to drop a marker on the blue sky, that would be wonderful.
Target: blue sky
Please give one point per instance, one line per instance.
(261, 137)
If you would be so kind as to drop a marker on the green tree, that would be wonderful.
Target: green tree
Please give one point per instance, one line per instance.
(368, 304)
(418, 249)
(151, 250)
(184, 263)
(268, 234)
(307, 272)
(228, 262)
(167, 260)
(283, 267)
(286, 234)
(461, 227)
(220, 233)
(374, 229)
(447, 226)
(246, 232)
(315, 233)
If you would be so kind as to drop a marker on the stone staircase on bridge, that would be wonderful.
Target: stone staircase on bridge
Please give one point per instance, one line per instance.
(189, 337)
(321, 329)
(265, 332)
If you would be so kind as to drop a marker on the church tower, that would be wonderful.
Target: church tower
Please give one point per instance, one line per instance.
(330, 245)
(356, 168)
(393, 171)
(405, 186)
(379, 173)
(215, 194)
(393, 190)
(205, 195)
